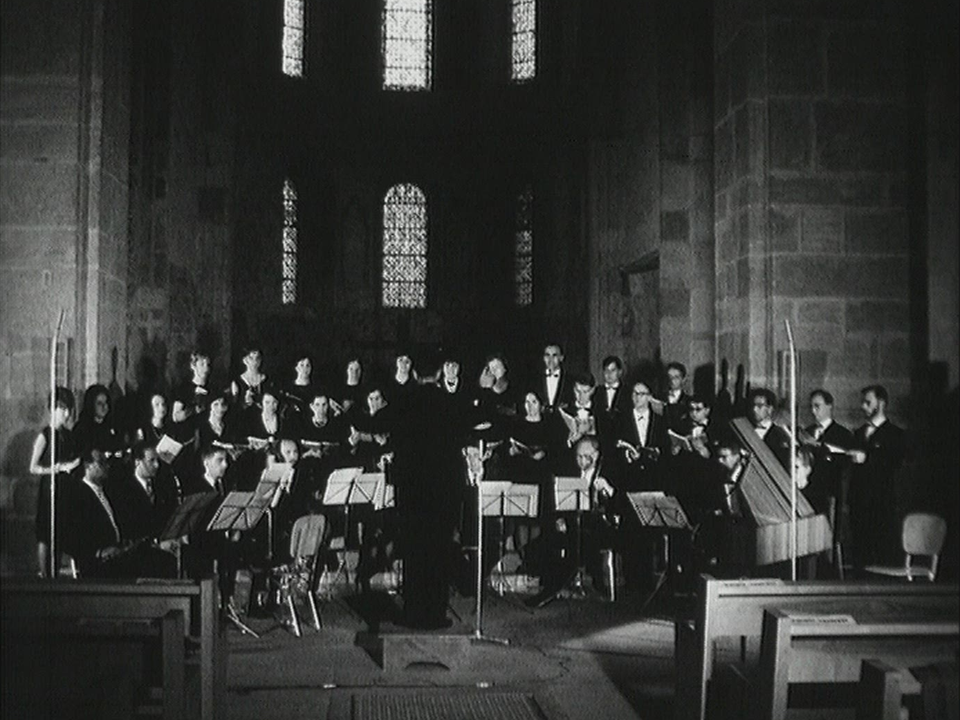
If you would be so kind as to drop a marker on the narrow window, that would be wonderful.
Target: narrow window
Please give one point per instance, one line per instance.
(405, 247)
(523, 249)
(407, 44)
(288, 284)
(294, 37)
(524, 45)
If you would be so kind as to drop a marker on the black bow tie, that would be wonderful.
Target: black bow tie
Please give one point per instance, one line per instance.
(554, 373)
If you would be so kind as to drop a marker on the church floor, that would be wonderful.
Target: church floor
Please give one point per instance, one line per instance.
(575, 658)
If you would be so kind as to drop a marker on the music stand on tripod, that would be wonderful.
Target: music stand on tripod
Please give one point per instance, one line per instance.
(503, 499)
(572, 494)
(658, 510)
(346, 487)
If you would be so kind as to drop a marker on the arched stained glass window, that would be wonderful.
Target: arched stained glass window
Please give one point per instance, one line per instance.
(524, 41)
(294, 37)
(523, 249)
(405, 247)
(288, 269)
(407, 44)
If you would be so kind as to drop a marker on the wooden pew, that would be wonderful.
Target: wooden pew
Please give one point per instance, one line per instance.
(932, 690)
(733, 609)
(168, 632)
(34, 601)
(826, 649)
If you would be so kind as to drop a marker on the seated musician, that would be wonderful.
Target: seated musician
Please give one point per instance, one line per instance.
(144, 497)
(562, 549)
(295, 497)
(96, 542)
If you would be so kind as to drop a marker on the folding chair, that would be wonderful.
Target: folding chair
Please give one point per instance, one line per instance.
(299, 579)
(923, 535)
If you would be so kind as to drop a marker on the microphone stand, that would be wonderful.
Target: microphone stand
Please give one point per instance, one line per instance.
(54, 566)
(478, 635)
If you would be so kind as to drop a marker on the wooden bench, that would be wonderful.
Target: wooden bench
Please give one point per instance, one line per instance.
(98, 604)
(830, 648)
(883, 688)
(733, 610)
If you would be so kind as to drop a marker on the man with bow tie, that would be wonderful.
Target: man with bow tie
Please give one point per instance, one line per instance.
(879, 449)
(554, 378)
(830, 440)
(675, 407)
(762, 403)
(610, 400)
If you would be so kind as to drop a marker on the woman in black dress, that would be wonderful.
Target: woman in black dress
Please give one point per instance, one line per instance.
(64, 460)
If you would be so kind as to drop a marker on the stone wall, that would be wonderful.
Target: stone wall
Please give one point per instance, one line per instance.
(811, 207)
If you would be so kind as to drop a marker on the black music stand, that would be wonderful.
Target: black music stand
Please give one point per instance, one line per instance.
(346, 487)
(664, 512)
(572, 494)
(503, 499)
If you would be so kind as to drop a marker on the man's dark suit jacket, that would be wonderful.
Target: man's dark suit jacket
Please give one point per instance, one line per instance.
(778, 440)
(562, 391)
(828, 468)
(642, 474)
(92, 531)
(136, 515)
(676, 413)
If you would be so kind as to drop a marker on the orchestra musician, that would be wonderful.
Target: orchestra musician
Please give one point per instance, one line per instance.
(143, 499)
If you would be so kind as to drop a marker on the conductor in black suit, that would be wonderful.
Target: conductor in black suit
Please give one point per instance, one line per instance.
(762, 403)
(427, 473)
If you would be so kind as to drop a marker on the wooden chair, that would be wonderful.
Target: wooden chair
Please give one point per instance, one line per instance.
(923, 534)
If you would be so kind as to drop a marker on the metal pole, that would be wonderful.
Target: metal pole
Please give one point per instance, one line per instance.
(478, 628)
(54, 342)
(793, 451)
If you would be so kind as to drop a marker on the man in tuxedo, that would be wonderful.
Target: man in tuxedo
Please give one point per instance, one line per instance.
(642, 439)
(145, 499)
(553, 384)
(762, 403)
(879, 449)
(830, 440)
(611, 402)
(675, 407)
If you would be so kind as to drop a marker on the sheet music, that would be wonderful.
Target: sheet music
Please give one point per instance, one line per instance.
(679, 442)
(385, 496)
(571, 493)
(168, 449)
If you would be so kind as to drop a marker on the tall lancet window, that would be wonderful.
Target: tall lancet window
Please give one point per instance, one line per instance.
(405, 247)
(524, 56)
(407, 44)
(288, 268)
(294, 37)
(523, 249)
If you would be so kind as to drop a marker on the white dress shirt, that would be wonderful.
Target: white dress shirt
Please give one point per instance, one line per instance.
(642, 420)
(553, 384)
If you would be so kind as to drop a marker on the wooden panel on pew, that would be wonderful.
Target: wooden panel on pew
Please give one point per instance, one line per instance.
(734, 609)
(829, 648)
(29, 600)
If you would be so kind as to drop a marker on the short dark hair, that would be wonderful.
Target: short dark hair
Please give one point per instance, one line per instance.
(139, 450)
(879, 392)
(557, 345)
(303, 354)
(677, 366)
(63, 397)
(729, 441)
(612, 360)
(93, 455)
(585, 379)
(807, 454)
(766, 394)
(211, 450)
(827, 397)
(702, 400)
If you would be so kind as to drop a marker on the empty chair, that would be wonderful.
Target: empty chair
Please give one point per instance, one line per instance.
(923, 535)
(298, 580)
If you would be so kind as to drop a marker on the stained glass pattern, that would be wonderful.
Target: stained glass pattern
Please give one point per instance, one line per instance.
(524, 45)
(288, 270)
(407, 44)
(405, 247)
(293, 37)
(523, 249)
